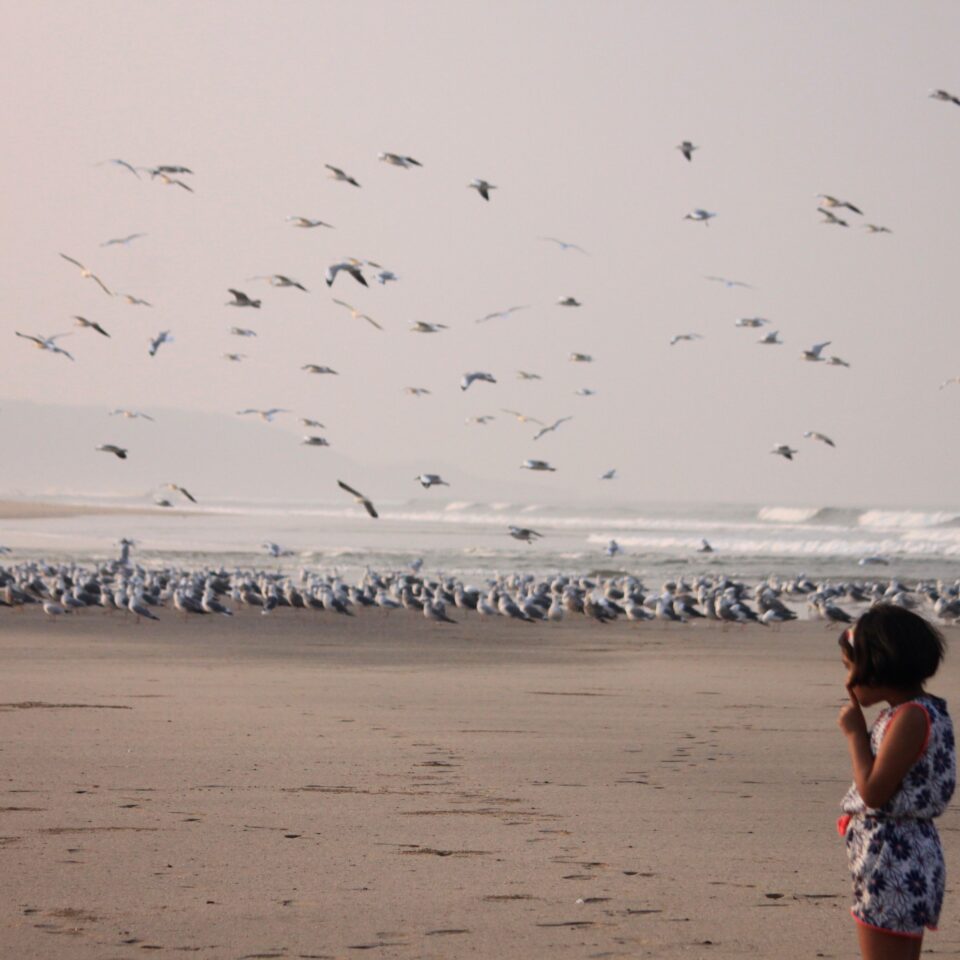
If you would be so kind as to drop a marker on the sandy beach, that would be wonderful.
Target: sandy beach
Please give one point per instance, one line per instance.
(310, 787)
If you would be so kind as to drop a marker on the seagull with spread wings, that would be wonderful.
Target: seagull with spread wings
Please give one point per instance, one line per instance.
(501, 314)
(359, 498)
(483, 187)
(356, 314)
(88, 274)
(553, 426)
(122, 241)
(337, 174)
(307, 223)
(564, 244)
(265, 415)
(46, 343)
(86, 324)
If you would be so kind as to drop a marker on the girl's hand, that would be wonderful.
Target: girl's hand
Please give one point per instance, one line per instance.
(851, 720)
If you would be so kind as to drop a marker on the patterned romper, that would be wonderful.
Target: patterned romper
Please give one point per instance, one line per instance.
(894, 851)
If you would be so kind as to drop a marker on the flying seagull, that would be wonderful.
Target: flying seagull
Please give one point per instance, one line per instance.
(569, 302)
(482, 187)
(832, 220)
(234, 357)
(242, 332)
(580, 358)
(822, 437)
(936, 94)
(469, 378)
(279, 280)
(700, 216)
(135, 301)
(422, 326)
(349, 266)
(677, 337)
(537, 465)
(130, 415)
(528, 375)
(46, 343)
(356, 314)
(398, 160)
(170, 181)
(609, 475)
(359, 498)
(169, 168)
(522, 417)
(500, 314)
(176, 488)
(119, 452)
(311, 440)
(265, 415)
(730, 283)
(307, 223)
(158, 341)
(428, 480)
(90, 325)
(784, 450)
(875, 228)
(563, 244)
(553, 426)
(770, 339)
(416, 391)
(751, 322)
(337, 174)
(827, 201)
(307, 422)
(240, 299)
(88, 274)
(813, 354)
(124, 241)
(687, 148)
(523, 533)
(317, 368)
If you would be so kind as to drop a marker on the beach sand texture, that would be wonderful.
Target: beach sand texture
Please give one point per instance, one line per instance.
(307, 787)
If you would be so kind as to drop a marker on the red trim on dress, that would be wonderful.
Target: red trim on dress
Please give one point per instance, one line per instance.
(892, 933)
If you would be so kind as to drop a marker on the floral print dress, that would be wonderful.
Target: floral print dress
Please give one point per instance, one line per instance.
(894, 851)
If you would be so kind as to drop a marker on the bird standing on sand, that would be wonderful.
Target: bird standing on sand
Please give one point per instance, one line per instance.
(360, 498)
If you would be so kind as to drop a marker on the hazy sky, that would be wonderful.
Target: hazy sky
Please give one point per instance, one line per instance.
(573, 110)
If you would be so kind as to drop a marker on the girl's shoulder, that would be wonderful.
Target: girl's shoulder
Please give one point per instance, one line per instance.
(934, 704)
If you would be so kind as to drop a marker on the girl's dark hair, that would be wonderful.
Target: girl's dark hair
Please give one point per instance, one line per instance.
(892, 647)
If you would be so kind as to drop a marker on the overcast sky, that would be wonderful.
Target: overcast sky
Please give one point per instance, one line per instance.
(573, 110)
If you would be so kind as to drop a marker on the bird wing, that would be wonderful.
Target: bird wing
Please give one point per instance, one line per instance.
(350, 490)
(101, 284)
(369, 507)
(26, 336)
(483, 191)
(76, 263)
(187, 494)
(363, 316)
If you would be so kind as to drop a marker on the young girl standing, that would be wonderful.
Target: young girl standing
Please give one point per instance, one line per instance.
(904, 774)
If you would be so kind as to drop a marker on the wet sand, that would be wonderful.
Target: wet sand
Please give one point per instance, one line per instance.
(312, 786)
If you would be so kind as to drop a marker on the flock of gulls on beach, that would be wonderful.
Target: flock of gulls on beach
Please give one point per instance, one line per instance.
(359, 273)
(122, 585)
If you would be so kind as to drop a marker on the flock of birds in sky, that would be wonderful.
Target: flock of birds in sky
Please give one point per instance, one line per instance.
(836, 211)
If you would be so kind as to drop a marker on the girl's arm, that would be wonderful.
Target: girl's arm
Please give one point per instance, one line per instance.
(879, 777)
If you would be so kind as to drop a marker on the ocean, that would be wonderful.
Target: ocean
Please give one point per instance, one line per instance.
(471, 539)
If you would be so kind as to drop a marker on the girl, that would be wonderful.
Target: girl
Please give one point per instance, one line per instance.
(904, 774)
